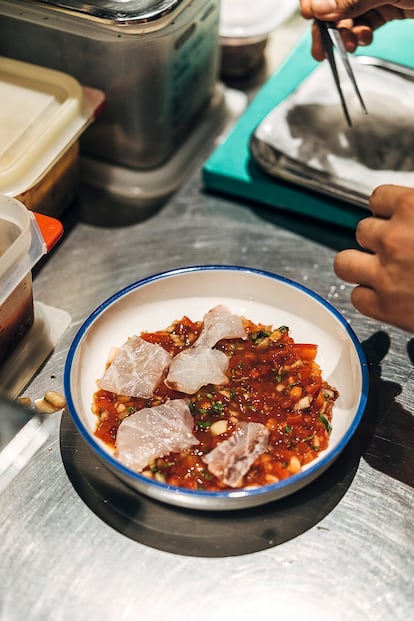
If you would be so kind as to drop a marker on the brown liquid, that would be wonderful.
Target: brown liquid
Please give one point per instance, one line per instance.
(16, 317)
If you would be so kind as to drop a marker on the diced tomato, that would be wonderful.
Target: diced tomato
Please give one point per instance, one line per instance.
(294, 419)
(313, 388)
(162, 339)
(305, 351)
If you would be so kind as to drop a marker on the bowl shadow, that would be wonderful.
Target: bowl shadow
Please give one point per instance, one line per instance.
(211, 533)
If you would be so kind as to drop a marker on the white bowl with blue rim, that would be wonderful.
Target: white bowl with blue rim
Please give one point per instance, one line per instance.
(155, 302)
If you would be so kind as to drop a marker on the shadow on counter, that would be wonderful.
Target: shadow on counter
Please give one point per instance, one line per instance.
(214, 534)
(96, 207)
(328, 234)
(391, 449)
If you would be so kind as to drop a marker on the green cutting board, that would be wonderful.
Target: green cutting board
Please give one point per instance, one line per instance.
(232, 171)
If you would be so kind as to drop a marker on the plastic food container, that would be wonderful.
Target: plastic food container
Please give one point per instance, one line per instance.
(25, 238)
(42, 115)
(156, 61)
(244, 30)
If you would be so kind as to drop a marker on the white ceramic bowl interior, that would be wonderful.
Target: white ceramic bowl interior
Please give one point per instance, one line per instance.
(154, 303)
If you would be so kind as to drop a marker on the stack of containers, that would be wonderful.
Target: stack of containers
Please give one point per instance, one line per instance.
(42, 115)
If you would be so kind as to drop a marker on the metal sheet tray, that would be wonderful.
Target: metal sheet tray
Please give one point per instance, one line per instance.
(305, 139)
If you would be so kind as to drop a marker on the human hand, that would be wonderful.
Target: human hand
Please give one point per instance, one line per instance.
(384, 272)
(356, 19)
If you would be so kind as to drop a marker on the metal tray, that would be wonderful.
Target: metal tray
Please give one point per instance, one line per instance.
(305, 139)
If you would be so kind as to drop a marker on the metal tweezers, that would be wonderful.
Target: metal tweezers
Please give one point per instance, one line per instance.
(331, 38)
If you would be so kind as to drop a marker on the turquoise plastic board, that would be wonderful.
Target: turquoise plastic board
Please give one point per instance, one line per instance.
(231, 170)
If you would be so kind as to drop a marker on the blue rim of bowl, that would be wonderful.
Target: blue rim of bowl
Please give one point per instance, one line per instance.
(230, 496)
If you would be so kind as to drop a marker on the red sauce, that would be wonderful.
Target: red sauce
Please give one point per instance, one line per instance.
(272, 380)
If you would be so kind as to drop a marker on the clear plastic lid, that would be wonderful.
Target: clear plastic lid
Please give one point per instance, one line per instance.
(247, 19)
(42, 113)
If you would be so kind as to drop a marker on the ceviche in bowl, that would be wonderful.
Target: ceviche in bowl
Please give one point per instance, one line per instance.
(216, 387)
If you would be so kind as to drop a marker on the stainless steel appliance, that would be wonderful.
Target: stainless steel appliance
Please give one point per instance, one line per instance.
(156, 61)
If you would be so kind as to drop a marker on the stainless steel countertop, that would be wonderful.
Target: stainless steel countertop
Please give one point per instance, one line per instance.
(75, 544)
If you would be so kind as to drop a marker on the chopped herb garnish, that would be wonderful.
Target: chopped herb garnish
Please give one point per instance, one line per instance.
(283, 329)
(326, 423)
(218, 406)
(203, 410)
(204, 424)
(259, 336)
(287, 429)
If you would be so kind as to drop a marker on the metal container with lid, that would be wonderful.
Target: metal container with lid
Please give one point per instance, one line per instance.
(156, 61)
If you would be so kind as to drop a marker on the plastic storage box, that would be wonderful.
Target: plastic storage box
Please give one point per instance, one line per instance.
(24, 239)
(42, 115)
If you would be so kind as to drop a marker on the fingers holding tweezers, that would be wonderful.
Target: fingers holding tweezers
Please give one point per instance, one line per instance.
(329, 53)
(336, 39)
(331, 38)
(347, 34)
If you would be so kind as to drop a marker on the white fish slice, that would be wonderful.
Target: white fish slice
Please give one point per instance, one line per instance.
(154, 432)
(136, 369)
(196, 367)
(232, 458)
(219, 323)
